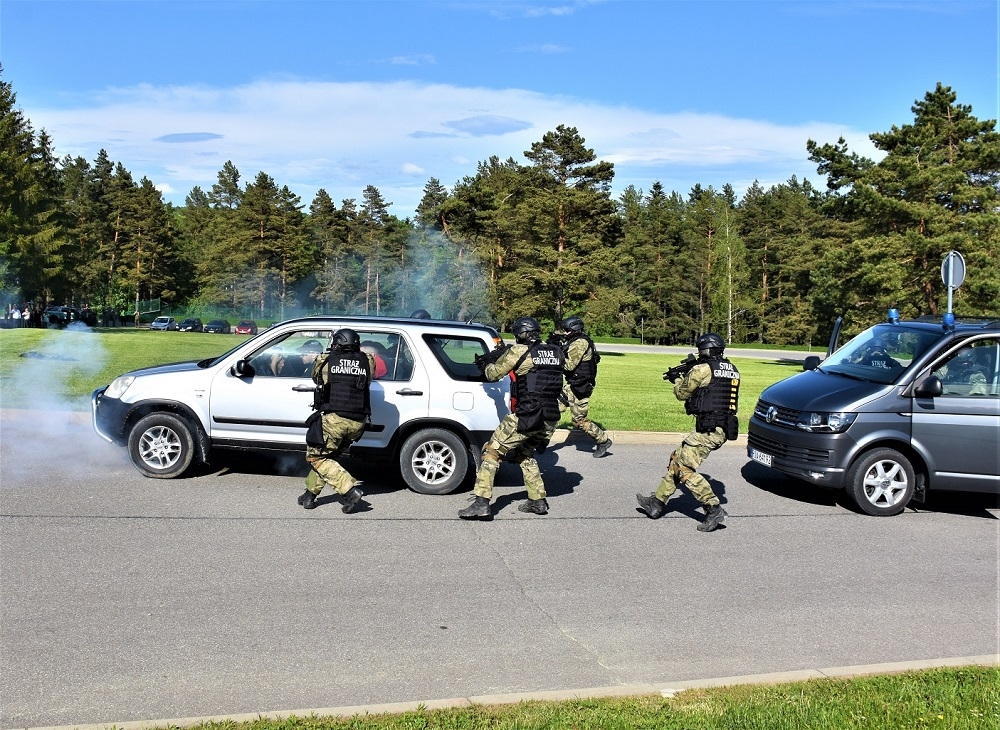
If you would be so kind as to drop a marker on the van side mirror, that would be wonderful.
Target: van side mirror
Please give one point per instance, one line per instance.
(811, 363)
(929, 388)
(242, 369)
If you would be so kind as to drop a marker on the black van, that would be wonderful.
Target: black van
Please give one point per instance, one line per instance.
(904, 407)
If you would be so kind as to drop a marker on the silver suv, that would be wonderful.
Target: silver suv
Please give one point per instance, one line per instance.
(431, 409)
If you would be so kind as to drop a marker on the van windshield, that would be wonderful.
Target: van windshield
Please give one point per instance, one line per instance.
(880, 354)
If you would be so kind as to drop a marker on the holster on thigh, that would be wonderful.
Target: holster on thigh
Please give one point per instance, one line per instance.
(491, 454)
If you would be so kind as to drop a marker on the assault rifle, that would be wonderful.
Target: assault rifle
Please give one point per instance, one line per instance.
(488, 358)
(679, 371)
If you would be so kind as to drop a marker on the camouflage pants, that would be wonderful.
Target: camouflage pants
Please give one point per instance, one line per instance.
(578, 411)
(507, 441)
(338, 435)
(684, 463)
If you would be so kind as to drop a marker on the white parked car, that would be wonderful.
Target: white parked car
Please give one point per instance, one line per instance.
(167, 324)
(431, 409)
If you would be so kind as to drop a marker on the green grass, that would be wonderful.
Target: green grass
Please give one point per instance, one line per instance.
(46, 366)
(956, 698)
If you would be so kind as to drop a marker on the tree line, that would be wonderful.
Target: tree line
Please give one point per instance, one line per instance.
(543, 237)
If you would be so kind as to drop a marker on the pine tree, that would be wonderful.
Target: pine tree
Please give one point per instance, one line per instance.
(935, 190)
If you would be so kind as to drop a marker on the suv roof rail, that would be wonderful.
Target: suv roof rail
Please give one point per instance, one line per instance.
(984, 320)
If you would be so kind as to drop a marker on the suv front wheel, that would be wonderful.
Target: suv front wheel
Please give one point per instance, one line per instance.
(881, 482)
(433, 461)
(161, 446)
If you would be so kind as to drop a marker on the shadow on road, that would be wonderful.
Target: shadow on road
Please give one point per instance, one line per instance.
(776, 483)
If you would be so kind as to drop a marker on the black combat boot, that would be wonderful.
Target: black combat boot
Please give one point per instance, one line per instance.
(535, 506)
(602, 449)
(651, 505)
(308, 500)
(479, 509)
(350, 499)
(713, 518)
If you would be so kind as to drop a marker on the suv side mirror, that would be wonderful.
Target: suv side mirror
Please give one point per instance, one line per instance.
(811, 363)
(242, 369)
(929, 388)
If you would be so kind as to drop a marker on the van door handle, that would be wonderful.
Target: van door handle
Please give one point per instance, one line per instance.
(407, 391)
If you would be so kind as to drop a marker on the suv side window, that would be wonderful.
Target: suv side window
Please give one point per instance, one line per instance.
(393, 359)
(291, 356)
(457, 355)
(972, 370)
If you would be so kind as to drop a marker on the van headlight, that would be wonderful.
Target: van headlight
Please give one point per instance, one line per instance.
(119, 386)
(826, 422)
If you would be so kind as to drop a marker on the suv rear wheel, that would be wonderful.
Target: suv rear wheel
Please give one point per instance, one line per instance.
(433, 461)
(881, 482)
(161, 446)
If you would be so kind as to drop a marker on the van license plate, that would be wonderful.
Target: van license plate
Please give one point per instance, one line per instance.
(760, 457)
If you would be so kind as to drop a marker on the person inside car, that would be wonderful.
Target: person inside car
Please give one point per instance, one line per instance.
(378, 353)
(299, 363)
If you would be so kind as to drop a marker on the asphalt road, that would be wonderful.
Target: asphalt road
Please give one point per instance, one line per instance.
(124, 598)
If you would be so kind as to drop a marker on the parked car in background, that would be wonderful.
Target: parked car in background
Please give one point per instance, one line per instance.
(166, 324)
(432, 410)
(191, 324)
(60, 316)
(246, 327)
(219, 326)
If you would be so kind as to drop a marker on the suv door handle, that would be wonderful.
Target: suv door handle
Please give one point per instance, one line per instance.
(407, 391)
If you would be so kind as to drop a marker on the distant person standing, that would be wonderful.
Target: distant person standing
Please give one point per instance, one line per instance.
(26, 316)
(581, 377)
(15, 314)
(710, 391)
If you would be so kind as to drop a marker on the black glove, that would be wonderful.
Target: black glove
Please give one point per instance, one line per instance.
(482, 361)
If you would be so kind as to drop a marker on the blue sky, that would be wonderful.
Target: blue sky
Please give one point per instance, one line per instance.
(343, 94)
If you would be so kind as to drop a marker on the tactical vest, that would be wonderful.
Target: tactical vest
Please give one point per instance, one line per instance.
(713, 404)
(345, 391)
(537, 391)
(583, 378)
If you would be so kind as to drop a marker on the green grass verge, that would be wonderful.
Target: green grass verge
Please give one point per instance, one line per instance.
(46, 366)
(958, 698)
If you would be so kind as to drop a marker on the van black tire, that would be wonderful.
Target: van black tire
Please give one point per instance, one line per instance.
(881, 482)
(161, 446)
(433, 461)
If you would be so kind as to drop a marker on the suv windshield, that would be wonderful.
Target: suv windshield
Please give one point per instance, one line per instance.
(880, 354)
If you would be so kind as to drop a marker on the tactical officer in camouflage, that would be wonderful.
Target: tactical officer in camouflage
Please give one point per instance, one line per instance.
(342, 375)
(538, 370)
(581, 376)
(710, 391)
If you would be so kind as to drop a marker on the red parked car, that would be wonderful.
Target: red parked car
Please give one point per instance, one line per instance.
(246, 327)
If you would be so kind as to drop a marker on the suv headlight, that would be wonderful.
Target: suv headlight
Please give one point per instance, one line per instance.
(826, 422)
(119, 386)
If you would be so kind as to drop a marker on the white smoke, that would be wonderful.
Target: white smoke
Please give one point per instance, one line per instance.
(45, 428)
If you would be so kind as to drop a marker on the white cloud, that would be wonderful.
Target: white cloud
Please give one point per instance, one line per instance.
(344, 136)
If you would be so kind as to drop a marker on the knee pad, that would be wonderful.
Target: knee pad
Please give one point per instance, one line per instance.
(491, 454)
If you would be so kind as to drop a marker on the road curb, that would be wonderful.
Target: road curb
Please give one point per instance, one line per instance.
(665, 689)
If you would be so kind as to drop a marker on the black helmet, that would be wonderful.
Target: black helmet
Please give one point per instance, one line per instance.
(524, 327)
(572, 324)
(346, 340)
(421, 314)
(710, 344)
